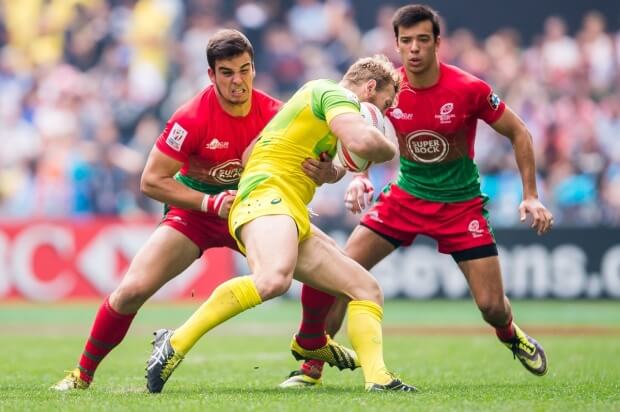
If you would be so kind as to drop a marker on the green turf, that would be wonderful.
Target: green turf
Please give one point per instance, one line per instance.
(238, 366)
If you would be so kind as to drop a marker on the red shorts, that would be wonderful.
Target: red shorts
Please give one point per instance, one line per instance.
(400, 216)
(205, 230)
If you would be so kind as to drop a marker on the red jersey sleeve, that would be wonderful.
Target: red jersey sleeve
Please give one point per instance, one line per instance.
(268, 105)
(179, 138)
(489, 106)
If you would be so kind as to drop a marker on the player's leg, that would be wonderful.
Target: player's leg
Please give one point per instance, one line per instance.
(165, 254)
(322, 312)
(367, 247)
(271, 245)
(485, 282)
(466, 234)
(324, 267)
(271, 249)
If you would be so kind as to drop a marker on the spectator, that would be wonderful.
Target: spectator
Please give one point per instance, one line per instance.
(86, 83)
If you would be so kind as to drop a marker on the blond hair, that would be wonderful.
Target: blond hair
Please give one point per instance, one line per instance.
(377, 67)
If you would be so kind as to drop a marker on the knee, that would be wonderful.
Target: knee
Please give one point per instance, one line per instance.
(128, 297)
(368, 290)
(492, 309)
(271, 285)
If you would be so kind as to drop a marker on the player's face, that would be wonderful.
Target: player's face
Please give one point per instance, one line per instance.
(233, 78)
(417, 47)
(383, 99)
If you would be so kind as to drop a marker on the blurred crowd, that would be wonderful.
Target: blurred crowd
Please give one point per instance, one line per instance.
(86, 86)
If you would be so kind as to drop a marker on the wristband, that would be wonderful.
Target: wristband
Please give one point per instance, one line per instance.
(212, 204)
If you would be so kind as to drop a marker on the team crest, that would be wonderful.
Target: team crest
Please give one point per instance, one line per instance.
(474, 229)
(494, 101)
(445, 115)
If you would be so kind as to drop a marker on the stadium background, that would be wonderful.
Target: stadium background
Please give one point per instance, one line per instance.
(85, 86)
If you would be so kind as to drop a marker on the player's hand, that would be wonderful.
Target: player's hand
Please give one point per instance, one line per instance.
(219, 204)
(227, 203)
(358, 194)
(320, 171)
(542, 219)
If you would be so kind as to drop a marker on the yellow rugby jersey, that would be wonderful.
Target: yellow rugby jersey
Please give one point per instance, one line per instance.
(299, 131)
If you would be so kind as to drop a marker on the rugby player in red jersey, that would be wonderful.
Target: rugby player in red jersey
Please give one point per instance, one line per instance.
(437, 192)
(194, 169)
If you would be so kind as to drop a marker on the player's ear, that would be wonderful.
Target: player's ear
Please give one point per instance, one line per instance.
(371, 87)
(211, 74)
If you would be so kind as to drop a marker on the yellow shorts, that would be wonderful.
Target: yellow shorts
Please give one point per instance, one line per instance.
(267, 200)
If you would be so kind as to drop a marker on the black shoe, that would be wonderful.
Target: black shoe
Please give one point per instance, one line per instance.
(163, 361)
(395, 385)
(528, 351)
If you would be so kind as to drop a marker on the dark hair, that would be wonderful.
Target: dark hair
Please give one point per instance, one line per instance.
(413, 14)
(227, 43)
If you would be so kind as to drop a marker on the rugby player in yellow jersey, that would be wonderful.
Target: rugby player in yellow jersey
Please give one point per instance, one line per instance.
(270, 221)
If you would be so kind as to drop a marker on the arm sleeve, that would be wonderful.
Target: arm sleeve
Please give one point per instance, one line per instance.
(178, 140)
(331, 100)
(488, 104)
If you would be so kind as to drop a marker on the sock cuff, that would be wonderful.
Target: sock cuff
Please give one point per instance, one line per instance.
(114, 313)
(244, 289)
(366, 306)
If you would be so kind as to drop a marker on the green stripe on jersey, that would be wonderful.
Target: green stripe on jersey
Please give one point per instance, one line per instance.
(454, 181)
(203, 187)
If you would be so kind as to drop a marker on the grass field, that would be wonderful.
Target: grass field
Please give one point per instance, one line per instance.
(441, 347)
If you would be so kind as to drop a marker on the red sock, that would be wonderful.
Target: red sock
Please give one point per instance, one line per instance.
(108, 330)
(505, 333)
(313, 368)
(315, 306)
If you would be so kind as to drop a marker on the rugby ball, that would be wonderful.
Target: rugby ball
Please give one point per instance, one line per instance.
(351, 161)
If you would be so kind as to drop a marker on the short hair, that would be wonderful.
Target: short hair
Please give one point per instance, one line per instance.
(377, 67)
(227, 43)
(413, 14)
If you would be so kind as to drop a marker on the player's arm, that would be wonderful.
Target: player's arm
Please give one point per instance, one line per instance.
(361, 138)
(511, 126)
(158, 183)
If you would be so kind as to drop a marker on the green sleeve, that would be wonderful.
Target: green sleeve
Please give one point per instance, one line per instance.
(330, 99)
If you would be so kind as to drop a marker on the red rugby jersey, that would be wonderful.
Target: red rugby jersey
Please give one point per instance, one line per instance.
(436, 129)
(210, 142)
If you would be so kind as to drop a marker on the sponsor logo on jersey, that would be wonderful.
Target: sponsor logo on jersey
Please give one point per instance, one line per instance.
(216, 144)
(474, 229)
(426, 146)
(445, 113)
(494, 101)
(176, 137)
(400, 115)
(228, 172)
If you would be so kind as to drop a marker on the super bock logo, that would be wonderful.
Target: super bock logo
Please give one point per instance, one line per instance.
(228, 172)
(426, 146)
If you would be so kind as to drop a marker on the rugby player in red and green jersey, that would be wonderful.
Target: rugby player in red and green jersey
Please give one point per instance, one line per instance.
(437, 192)
(194, 169)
